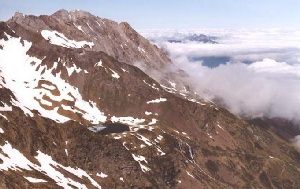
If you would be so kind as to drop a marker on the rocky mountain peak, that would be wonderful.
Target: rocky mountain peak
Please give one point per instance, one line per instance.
(73, 14)
(118, 40)
(18, 16)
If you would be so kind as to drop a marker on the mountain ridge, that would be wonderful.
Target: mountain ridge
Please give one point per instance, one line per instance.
(108, 33)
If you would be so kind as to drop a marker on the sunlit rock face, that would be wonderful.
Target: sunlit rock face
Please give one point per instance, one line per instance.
(118, 40)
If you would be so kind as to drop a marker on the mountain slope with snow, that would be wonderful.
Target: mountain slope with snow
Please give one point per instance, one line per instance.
(73, 115)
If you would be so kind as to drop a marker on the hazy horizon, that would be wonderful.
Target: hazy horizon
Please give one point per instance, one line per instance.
(173, 14)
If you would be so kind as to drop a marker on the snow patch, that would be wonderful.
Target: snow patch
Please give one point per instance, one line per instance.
(35, 180)
(66, 151)
(148, 113)
(160, 137)
(209, 135)
(115, 74)
(102, 175)
(173, 84)
(153, 86)
(98, 64)
(79, 28)
(142, 50)
(13, 159)
(60, 39)
(73, 68)
(220, 126)
(157, 100)
(144, 139)
(5, 107)
(124, 70)
(127, 120)
(48, 164)
(24, 81)
(141, 159)
(117, 137)
(153, 121)
(188, 173)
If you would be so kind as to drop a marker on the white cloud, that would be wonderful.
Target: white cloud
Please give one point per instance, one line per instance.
(268, 85)
(251, 45)
(250, 90)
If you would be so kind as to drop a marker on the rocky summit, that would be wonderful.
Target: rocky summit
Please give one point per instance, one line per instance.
(75, 112)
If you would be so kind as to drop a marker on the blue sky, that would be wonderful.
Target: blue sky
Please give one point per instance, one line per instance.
(173, 14)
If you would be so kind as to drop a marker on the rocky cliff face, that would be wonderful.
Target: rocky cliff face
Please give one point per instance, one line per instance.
(75, 113)
(118, 40)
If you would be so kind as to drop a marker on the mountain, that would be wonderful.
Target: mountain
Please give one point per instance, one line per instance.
(180, 37)
(107, 36)
(194, 38)
(284, 128)
(75, 112)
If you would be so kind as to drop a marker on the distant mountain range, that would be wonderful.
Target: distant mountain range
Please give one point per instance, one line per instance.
(185, 38)
(196, 38)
